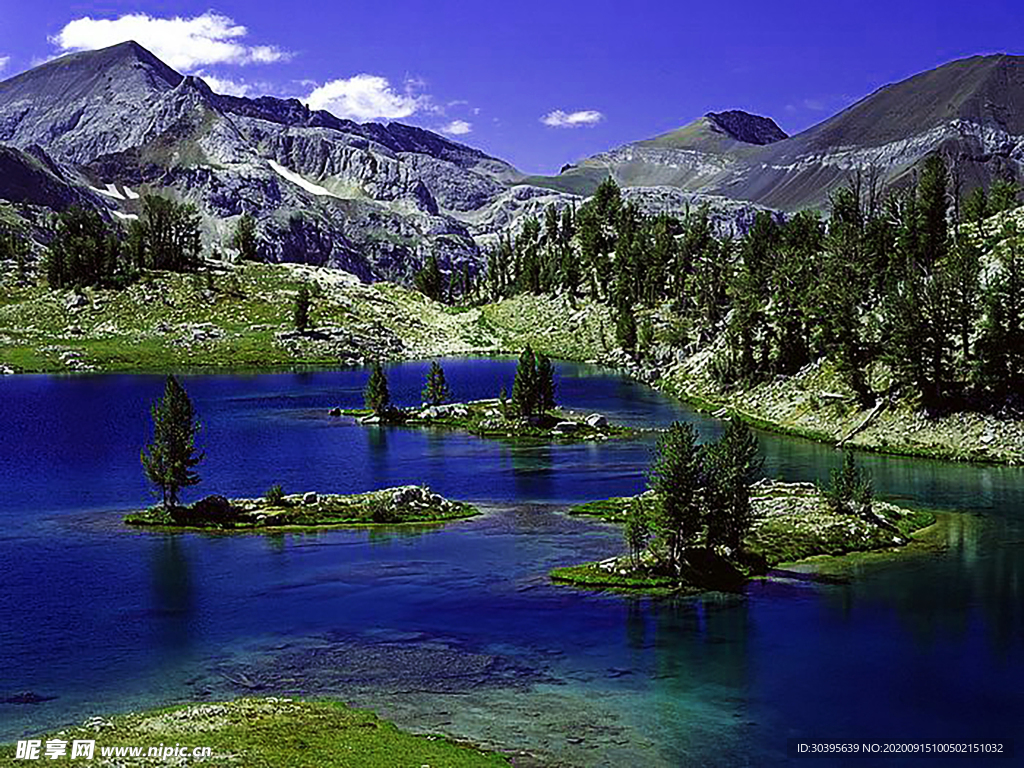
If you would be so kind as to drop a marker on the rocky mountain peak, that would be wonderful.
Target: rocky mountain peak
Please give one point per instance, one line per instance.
(745, 127)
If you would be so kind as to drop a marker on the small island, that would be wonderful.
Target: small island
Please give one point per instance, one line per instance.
(390, 506)
(530, 413)
(703, 525)
(492, 418)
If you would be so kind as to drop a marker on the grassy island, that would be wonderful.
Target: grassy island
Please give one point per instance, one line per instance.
(390, 506)
(791, 521)
(493, 419)
(266, 732)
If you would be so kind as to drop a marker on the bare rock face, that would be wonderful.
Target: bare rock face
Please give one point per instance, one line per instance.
(748, 128)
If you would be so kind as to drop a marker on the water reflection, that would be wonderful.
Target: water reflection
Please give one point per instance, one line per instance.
(173, 594)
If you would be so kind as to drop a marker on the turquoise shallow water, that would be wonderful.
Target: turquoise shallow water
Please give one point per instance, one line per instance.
(457, 629)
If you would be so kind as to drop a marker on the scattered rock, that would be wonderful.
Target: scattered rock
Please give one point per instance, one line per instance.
(75, 301)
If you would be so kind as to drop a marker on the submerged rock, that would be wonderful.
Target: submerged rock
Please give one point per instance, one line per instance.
(26, 697)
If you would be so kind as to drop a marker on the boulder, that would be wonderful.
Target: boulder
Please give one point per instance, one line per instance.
(566, 427)
(596, 420)
(75, 300)
(310, 498)
(213, 506)
(408, 494)
(335, 412)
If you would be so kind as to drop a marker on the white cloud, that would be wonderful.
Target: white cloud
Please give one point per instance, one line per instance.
(183, 43)
(365, 97)
(457, 128)
(227, 86)
(560, 119)
(4, 61)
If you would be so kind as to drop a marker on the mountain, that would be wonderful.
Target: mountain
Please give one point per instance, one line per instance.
(695, 157)
(972, 110)
(104, 127)
(374, 199)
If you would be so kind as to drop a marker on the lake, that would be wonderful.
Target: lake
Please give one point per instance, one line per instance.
(457, 628)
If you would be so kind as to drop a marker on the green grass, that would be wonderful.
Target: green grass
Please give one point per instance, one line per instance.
(273, 733)
(613, 510)
(590, 576)
(786, 539)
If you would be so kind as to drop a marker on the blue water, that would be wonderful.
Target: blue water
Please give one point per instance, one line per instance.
(105, 618)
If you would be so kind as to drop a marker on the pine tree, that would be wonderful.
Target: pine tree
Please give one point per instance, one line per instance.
(1000, 349)
(1004, 195)
(244, 238)
(679, 480)
(645, 337)
(376, 395)
(545, 383)
(436, 390)
(14, 245)
(849, 490)
(300, 312)
(933, 204)
(962, 271)
(636, 530)
(83, 251)
(429, 281)
(734, 462)
(168, 235)
(976, 206)
(625, 329)
(524, 388)
(170, 459)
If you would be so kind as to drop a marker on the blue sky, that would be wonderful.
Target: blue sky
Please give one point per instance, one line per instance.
(538, 83)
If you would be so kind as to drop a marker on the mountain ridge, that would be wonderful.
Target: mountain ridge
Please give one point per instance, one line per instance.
(971, 109)
(380, 199)
(373, 198)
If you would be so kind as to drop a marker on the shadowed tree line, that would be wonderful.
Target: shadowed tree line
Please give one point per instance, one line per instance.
(917, 280)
